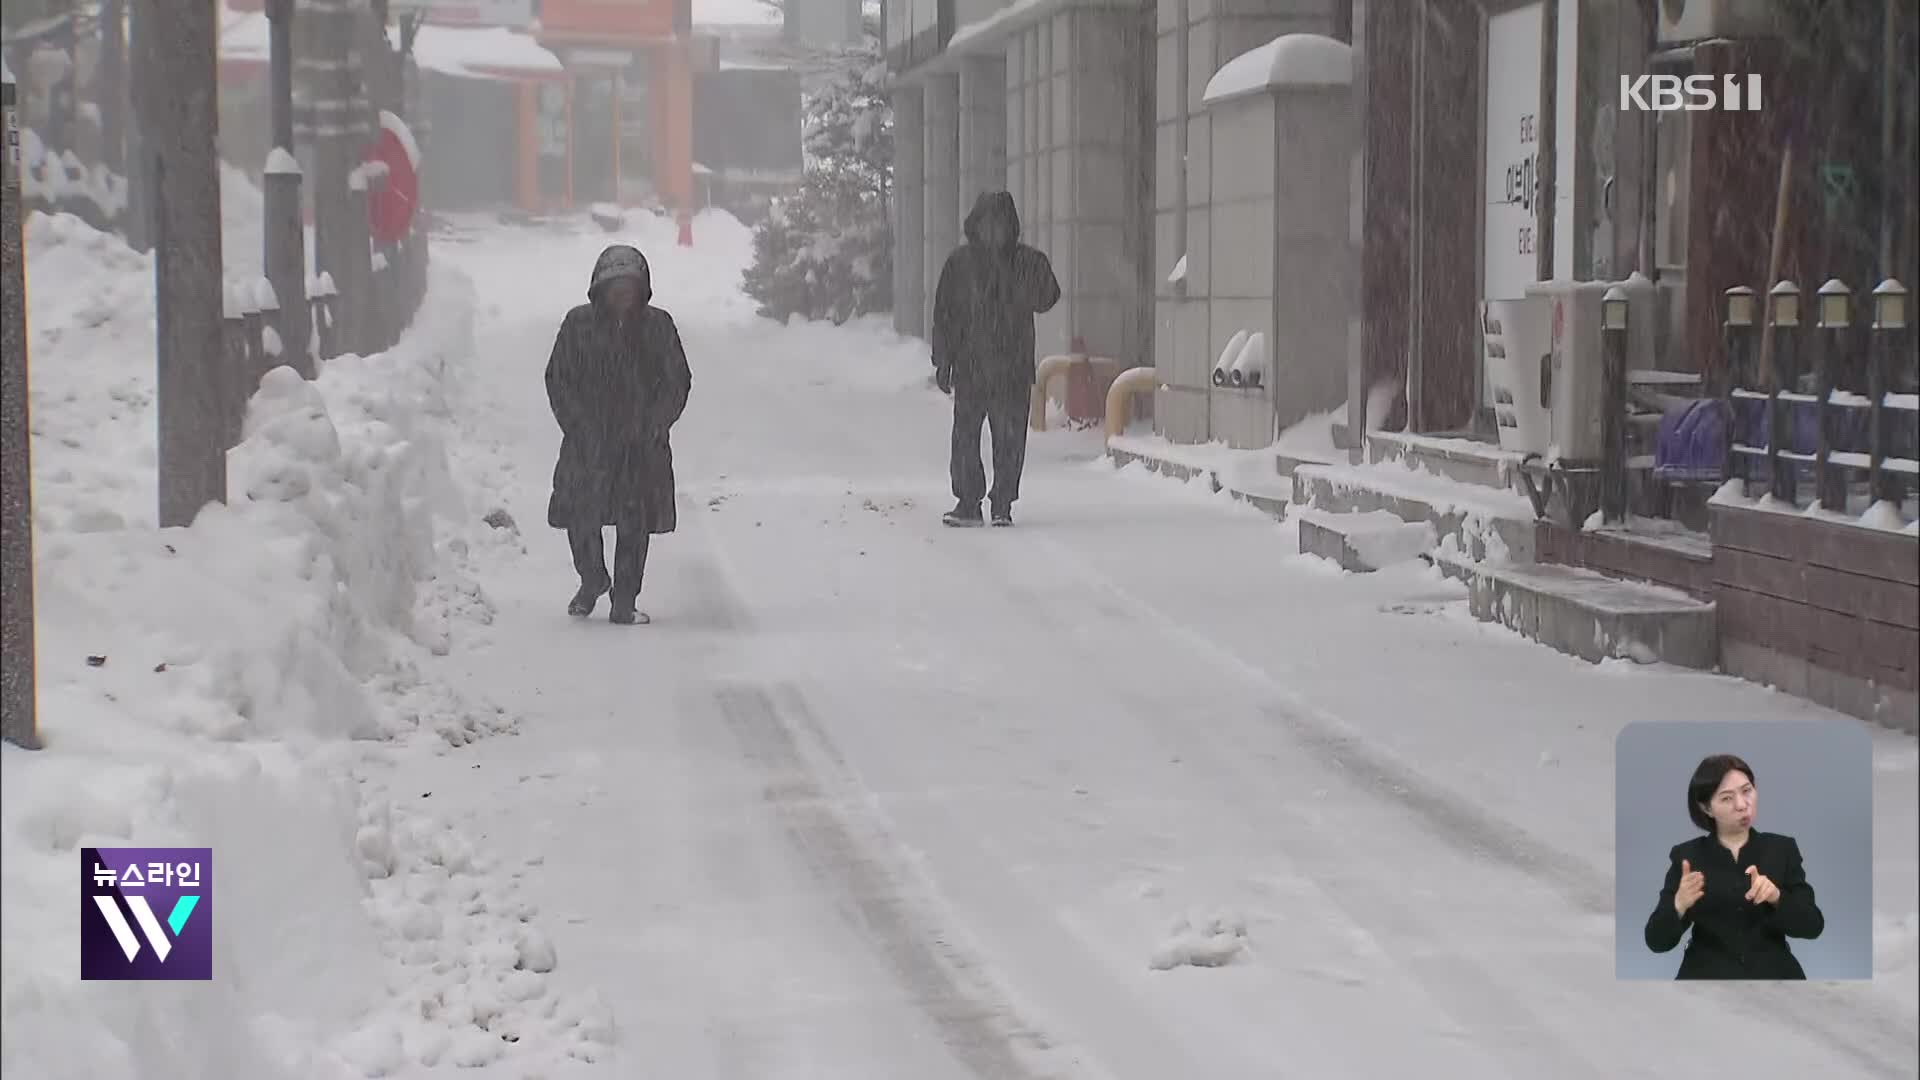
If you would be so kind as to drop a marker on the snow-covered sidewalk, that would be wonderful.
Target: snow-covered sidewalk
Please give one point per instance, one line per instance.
(876, 799)
(1127, 791)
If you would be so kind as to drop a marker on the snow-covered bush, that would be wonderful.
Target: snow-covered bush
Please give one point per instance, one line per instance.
(826, 252)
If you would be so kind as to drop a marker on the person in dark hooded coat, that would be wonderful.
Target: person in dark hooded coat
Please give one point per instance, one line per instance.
(617, 380)
(990, 289)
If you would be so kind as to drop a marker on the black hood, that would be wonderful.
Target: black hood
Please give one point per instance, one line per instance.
(621, 261)
(996, 205)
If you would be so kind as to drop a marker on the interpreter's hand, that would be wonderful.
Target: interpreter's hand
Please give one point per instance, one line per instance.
(943, 378)
(1693, 884)
(1760, 888)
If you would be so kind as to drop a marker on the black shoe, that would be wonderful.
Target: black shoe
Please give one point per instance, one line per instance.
(626, 615)
(583, 601)
(964, 516)
(1002, 516)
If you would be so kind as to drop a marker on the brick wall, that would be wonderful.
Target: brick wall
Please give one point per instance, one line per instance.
(1613, 554)
(1822, 610)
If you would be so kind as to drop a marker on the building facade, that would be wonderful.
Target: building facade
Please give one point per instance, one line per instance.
(1401, 216)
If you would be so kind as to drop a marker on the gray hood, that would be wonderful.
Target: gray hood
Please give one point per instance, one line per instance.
(621, 261)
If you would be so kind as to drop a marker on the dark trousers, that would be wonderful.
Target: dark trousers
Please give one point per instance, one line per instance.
(629, 560)
(1006, 416)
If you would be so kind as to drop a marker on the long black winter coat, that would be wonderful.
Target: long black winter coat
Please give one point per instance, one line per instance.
(984, 305)
(1732, 937)
(616, 386)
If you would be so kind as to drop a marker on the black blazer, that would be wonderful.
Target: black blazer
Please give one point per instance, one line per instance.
(1732, 938)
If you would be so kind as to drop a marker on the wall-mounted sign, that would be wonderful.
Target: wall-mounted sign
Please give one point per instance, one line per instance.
(1512, 167)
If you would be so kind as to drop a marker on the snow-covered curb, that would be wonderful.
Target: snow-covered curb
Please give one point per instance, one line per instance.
(237, 684)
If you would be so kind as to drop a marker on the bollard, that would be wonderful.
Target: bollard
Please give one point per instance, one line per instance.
(255, 323)
(234, 362)
(382, 301)
(355, 282)
(1613, 474)
(273, 348)
(1890, 344)
(1740, 331)
(326, 323)
(1783, 369)
(1835, 321)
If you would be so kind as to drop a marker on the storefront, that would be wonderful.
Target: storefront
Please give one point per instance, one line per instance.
(631, 69)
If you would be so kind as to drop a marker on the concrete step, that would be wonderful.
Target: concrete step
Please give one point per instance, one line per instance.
(1363, 542)
(1479, 521)
(1466, 460)
(1287, 463)
(1590, 615)
(1269, 494)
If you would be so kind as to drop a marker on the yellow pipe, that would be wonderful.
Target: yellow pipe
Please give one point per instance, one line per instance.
(1140, 380)
(1045, 373)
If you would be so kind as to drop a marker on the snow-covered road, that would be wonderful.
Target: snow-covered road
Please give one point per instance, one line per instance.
(873, 799)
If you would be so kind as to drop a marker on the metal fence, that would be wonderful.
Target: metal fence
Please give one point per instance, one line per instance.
(1831, 404)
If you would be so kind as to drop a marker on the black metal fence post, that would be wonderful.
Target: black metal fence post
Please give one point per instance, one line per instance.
(1741, 330)
(1613, 477)
(1835, 322)
(1781, 470)
(1890, 344)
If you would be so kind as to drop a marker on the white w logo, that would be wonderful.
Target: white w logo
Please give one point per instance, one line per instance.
(124, 933)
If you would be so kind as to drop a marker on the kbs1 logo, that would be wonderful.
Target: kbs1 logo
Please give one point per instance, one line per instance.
(1694, 93)
(146, 913)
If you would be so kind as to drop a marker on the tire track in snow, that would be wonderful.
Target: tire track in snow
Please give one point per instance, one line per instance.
(1868, 1034)
(1461, 988)
(807, 784)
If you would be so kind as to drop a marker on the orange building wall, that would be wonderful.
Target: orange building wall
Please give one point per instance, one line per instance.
(607, 23)
(661, 29)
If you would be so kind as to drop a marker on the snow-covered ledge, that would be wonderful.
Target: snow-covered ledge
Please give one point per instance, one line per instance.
(1296, 61)
(989, 36)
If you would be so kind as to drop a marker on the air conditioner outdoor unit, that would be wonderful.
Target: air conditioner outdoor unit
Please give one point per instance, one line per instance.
(1697, 20)
(1576, 370)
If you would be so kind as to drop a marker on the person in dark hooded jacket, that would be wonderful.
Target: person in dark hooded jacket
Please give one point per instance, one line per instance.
(617, 380)
(990, 289)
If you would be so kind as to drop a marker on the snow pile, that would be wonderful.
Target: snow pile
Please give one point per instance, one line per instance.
(1202, 939)
(202, 687)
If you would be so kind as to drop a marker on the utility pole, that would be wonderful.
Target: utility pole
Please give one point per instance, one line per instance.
(285, 234)
(17, 702)
(180, 121)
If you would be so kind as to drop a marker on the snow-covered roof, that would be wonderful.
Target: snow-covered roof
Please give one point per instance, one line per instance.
(479, 52)
(1288, 60)
(471, 52)
(735, 13)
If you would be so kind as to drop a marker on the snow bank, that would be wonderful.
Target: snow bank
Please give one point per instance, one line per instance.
(202, 686)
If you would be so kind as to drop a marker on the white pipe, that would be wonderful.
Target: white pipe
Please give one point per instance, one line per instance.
(1223, 367)
(1140, 380)
(1249, 368)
